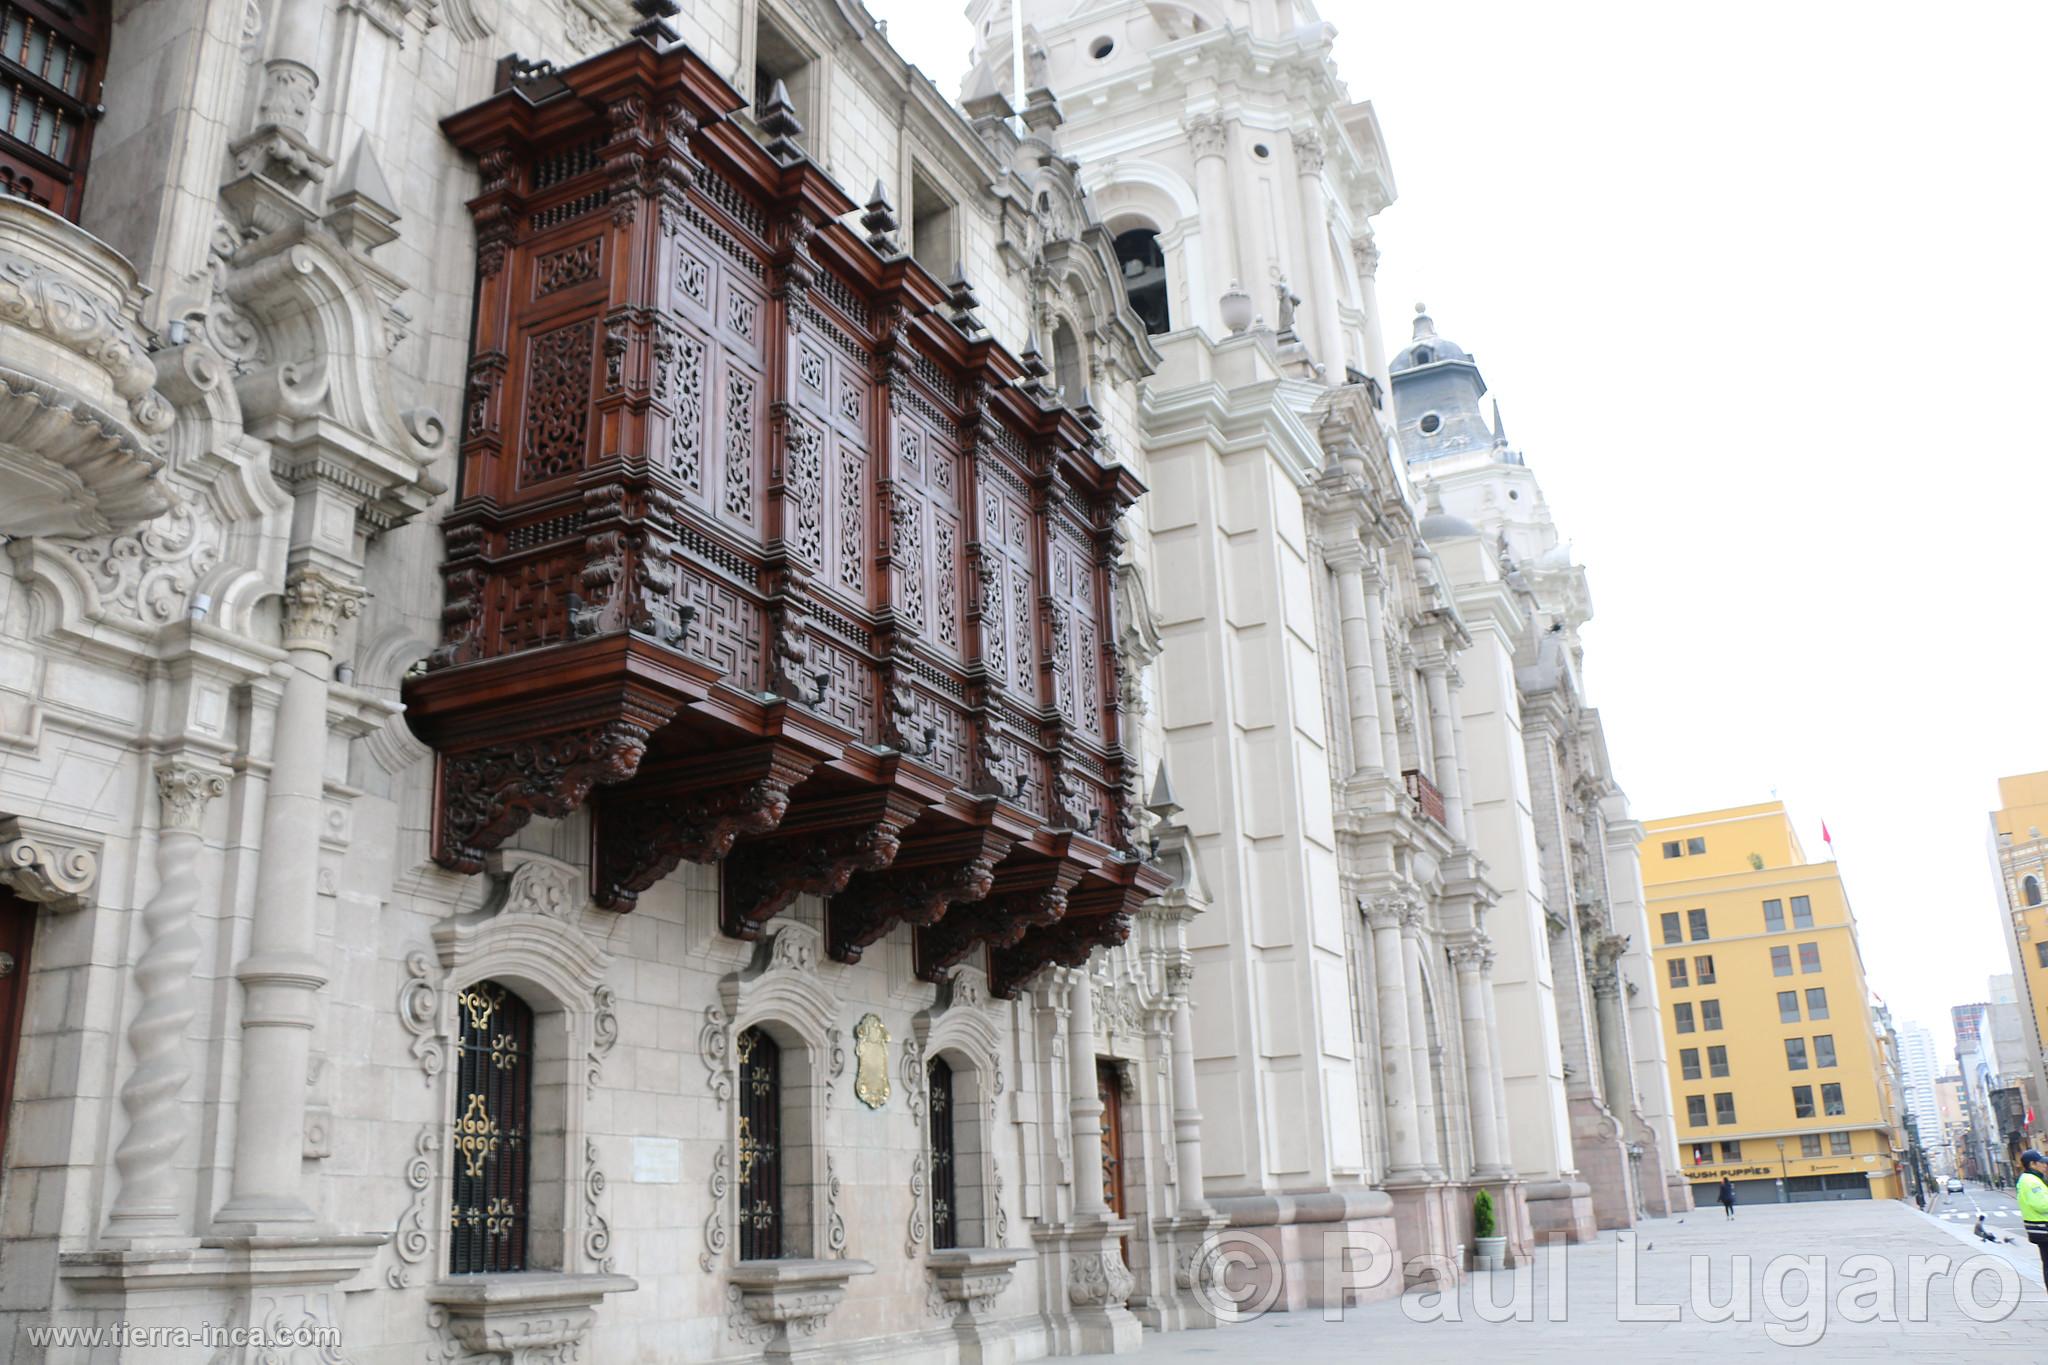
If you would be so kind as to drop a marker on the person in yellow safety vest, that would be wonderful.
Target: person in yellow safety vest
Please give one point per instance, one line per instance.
(2032, 1192)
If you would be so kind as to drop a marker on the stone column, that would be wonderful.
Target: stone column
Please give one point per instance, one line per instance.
(282, 974)
(1322, 270)
(1614, 1060)
(1084, 1104)
(152, 1203)
(1480, 1064)
(1361, 682)
(1209, 135)
(1426, 1098)
(1187, 1119)
(1365, 254)
(1397, 1063)
(1443, 739)
(1500, 1085)
(1383, 687)
(290, 78)
(1456, 682)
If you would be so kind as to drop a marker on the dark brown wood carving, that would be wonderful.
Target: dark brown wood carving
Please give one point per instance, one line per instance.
(763, 539)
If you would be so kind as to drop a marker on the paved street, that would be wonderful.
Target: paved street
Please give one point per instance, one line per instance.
(1858, 1303)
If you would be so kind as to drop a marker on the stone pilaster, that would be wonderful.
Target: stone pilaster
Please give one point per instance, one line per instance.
(1487, 1153)
(1361, 683)
(1390, 996)
(1309, 158)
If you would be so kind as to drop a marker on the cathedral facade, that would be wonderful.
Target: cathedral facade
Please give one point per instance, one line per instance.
(665, 698)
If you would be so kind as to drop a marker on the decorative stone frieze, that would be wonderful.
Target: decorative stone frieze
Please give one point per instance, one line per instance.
(792, 1298)
(536, 1318)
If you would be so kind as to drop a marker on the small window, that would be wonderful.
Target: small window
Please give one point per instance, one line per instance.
(932, 226)
(1672, 848)
(1816, 1002)
(1809, 958)
(1689, 1063)
(760, 1165)
(1809, 1143)
(1696, 1110)
(1781, 961)
(1802, 1105)
(1717, 1061)
(1430, 424)
(1702, 1153)
(1724, 1109)
(1102, 47)
(1731, 1151)
(1066, 363)
(1710, 1015)
(1144, 272)
(491, 1182)
(1839, 1144)
(1831, 1099)
(1696, 924)
(1677, 971)
(2041, 953)
(1673, 927)
(1823, 1049)
(2030, 890)
(1682, 1012)
(1694, 847)
(945, 1214)
(1261, 150)
(1774, 916)
(1788, 1007)
(1795, 1054)
(1703, 969)
(1802, 912)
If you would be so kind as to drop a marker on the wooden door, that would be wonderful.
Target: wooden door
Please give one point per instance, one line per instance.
(1110, 1091)
(17, 928)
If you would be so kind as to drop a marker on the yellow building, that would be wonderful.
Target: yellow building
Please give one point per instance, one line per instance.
(2019, 863)
(1776, 1070)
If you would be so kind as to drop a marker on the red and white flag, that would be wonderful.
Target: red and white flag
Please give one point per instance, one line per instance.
(1827, 838)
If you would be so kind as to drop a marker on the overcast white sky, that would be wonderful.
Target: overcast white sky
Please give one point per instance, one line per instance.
(1761, 291)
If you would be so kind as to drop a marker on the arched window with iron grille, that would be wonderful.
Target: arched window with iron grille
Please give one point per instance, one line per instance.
(760, 1164)
(945, 1187)
(487, 1215)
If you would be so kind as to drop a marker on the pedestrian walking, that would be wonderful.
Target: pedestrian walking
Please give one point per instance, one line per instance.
(1727, 1198)
(2032, 1192)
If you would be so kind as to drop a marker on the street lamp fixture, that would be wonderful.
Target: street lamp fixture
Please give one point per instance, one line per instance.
(1783, 1196)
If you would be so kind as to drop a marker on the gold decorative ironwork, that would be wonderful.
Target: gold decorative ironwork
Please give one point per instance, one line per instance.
(871, 1061)
(476, 1135)
(748, 1149)
(481, 1003)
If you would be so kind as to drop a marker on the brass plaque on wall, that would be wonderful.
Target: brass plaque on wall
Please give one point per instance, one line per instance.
(871, 1061)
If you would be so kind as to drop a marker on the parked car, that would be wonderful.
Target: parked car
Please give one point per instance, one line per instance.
(1955, 1184)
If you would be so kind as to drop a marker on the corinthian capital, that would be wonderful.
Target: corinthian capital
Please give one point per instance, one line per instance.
(1385, 912)
(1471, 956)
(184, 789)
(1308, 153)
(314, 608)
(1207, 135)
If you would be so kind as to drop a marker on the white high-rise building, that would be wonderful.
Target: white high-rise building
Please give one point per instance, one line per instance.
(1920, 1062)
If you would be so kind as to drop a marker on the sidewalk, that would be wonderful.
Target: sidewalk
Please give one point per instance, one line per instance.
(1886, 1287)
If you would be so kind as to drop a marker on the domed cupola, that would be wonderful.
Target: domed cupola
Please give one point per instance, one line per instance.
(1437, 388)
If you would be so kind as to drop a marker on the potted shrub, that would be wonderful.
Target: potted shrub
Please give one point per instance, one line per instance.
(1489, 1251)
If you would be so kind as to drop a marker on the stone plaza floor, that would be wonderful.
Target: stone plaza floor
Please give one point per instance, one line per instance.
(1889, 1283)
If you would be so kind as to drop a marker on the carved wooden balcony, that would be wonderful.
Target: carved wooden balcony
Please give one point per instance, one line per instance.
(764, 549)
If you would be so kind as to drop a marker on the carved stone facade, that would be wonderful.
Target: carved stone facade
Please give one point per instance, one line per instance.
(755, 578)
